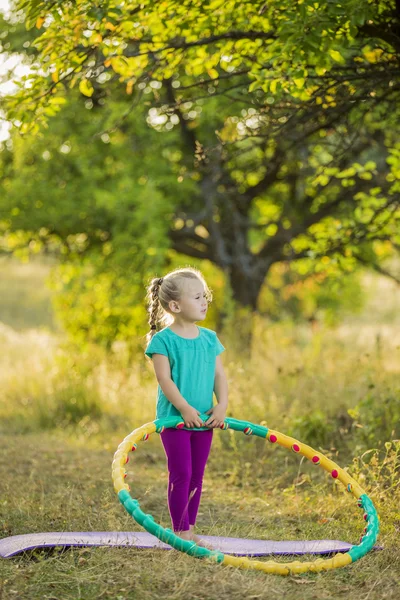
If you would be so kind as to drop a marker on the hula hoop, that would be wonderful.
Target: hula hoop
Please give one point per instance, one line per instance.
(367, 539)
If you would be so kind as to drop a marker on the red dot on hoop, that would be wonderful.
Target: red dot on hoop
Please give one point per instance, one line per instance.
(180, 425)
(316, 460)
(296, 448)
(273, 438)
(335, 474)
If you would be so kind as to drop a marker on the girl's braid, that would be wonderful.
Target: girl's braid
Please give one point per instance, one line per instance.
(154, 302)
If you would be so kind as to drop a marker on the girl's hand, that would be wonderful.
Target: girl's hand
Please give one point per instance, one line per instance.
(218, 416)
(190, 416)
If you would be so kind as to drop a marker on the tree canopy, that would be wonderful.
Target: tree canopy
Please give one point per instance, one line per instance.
(259, 133)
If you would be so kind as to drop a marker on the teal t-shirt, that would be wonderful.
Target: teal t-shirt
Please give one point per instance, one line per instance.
(192, 363)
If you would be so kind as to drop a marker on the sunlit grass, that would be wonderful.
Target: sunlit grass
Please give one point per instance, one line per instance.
(24, 298)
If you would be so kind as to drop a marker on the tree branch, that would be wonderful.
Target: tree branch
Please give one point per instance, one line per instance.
(188, 135)
(183, 44)
(377, 268)
(184, 248)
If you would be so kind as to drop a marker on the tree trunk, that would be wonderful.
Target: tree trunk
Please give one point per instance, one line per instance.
(237, 314)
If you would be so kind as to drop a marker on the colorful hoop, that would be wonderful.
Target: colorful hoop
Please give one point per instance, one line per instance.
(367, 540)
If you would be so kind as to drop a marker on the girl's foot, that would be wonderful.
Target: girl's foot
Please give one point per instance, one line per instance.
(201, 542)
(185, 535)
(192, 537)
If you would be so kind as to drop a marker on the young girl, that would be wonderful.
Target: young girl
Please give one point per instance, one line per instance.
(188, 369)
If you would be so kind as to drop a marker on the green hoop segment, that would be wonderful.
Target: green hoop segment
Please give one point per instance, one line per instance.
(166, 535)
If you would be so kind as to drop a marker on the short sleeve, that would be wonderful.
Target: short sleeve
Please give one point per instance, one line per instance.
(218, 346)
(156, 346)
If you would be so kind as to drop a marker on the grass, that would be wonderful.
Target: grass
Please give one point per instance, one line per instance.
(25, 300)
(63, 414)
(56, 483)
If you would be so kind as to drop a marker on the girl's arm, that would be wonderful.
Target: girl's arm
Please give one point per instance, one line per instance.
(221, 384)
(221, 391)
(163, 373)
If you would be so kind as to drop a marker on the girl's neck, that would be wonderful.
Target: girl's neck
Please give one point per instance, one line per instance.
(184, 327)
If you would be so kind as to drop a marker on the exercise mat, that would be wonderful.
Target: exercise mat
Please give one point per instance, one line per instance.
(229, 545)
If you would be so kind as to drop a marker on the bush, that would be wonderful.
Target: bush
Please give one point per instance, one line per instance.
(376, 419)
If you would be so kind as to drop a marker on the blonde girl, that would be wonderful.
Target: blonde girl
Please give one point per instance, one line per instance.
(188, 369)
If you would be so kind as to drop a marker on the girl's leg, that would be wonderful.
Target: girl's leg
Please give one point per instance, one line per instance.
(177, 448)
(200, 450)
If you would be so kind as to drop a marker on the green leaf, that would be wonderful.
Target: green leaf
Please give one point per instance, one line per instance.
(254, 85)
(335, 54)
(85, 87)
(299, 82)
(273, 85)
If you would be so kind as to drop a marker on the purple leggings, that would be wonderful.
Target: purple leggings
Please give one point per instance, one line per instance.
(187, 453)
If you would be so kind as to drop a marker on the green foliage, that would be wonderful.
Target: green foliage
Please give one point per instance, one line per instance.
(313, 290)
(316, 428)
(373, 422)
(94, 201)
(99, 304)
(376, 418)
(102, 211)
(109, 183)
(379, 470)
(283, 47)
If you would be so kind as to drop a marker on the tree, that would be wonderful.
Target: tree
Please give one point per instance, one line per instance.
(301, 171)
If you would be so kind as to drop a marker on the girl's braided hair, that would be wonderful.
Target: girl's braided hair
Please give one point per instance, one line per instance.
(162, 290)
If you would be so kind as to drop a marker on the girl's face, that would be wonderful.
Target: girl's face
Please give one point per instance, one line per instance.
(193, 303)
